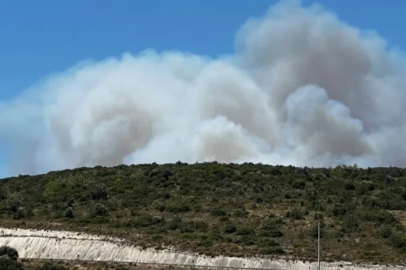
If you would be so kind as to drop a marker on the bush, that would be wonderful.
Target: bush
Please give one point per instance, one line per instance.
(175, 223)
(380, 216)
(296, 214)
(230, 228)
(246, 231)
(161, 208)
(299, 184)
(176, 208)
(275, 233)
(349, 186)
(271, 233)
(272, 250)
(201, 226)
(9, 252)
(240, 213)
(69, 212)
(350, 223)
(51, 266)
(386, 232)
(398, 240)
(99, 192)
(144, 220)
(339, 210)
(218, 212)
(100, 210)
(8, 264)
(14, 205)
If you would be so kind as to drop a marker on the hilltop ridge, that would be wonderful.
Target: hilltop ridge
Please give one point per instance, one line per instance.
(222, 209)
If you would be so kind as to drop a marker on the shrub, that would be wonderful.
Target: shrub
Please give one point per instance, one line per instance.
(99, 192)
(272, 250)
(69, 212)
(230, 228)
(299, 184)
(177, 208)
(380, 216)
(71, 203)
(349, 186)
(51, 189)
(339, 210)
(248, 240)
(157, 220)
(386, 232)
(175, 223)
(14, 205)
(100, 210)
(240, 213)
(8, 264)
(161, 208)
(398, 240)
(166, 174)
(9, 252)
(144, 220)
(218, 212)
(275, 233)
(273, 243)
(19, 214)
(350, 223)
(296, 214)
(201, 226)
(51, 266)
(246, 231)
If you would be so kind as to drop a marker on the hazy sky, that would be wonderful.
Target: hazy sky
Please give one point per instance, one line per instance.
(41, 38)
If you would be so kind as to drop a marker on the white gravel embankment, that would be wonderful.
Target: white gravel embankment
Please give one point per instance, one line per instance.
(65, 245)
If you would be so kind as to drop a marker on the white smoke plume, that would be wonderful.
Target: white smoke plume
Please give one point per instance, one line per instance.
(302, 88)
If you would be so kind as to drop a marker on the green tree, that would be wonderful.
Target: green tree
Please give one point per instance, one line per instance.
(8, 264)
(10, 252)
(8, 259)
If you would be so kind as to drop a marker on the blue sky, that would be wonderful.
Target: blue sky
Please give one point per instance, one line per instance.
(45, 36)
(38, 38)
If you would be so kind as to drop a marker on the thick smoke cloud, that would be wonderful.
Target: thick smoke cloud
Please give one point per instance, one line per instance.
(302, 88)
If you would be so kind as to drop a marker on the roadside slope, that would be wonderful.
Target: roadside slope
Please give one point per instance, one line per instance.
(61, 245)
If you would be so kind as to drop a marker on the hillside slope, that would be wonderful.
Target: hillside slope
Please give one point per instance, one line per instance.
(216, 209)
(68, 247)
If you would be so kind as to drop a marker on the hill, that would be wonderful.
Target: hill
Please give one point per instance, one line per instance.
(228, 209)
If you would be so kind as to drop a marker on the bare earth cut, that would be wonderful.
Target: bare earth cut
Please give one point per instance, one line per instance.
(61, 245)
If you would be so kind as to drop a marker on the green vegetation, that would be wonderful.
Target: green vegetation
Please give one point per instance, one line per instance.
(217, 209)
(8, 259)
